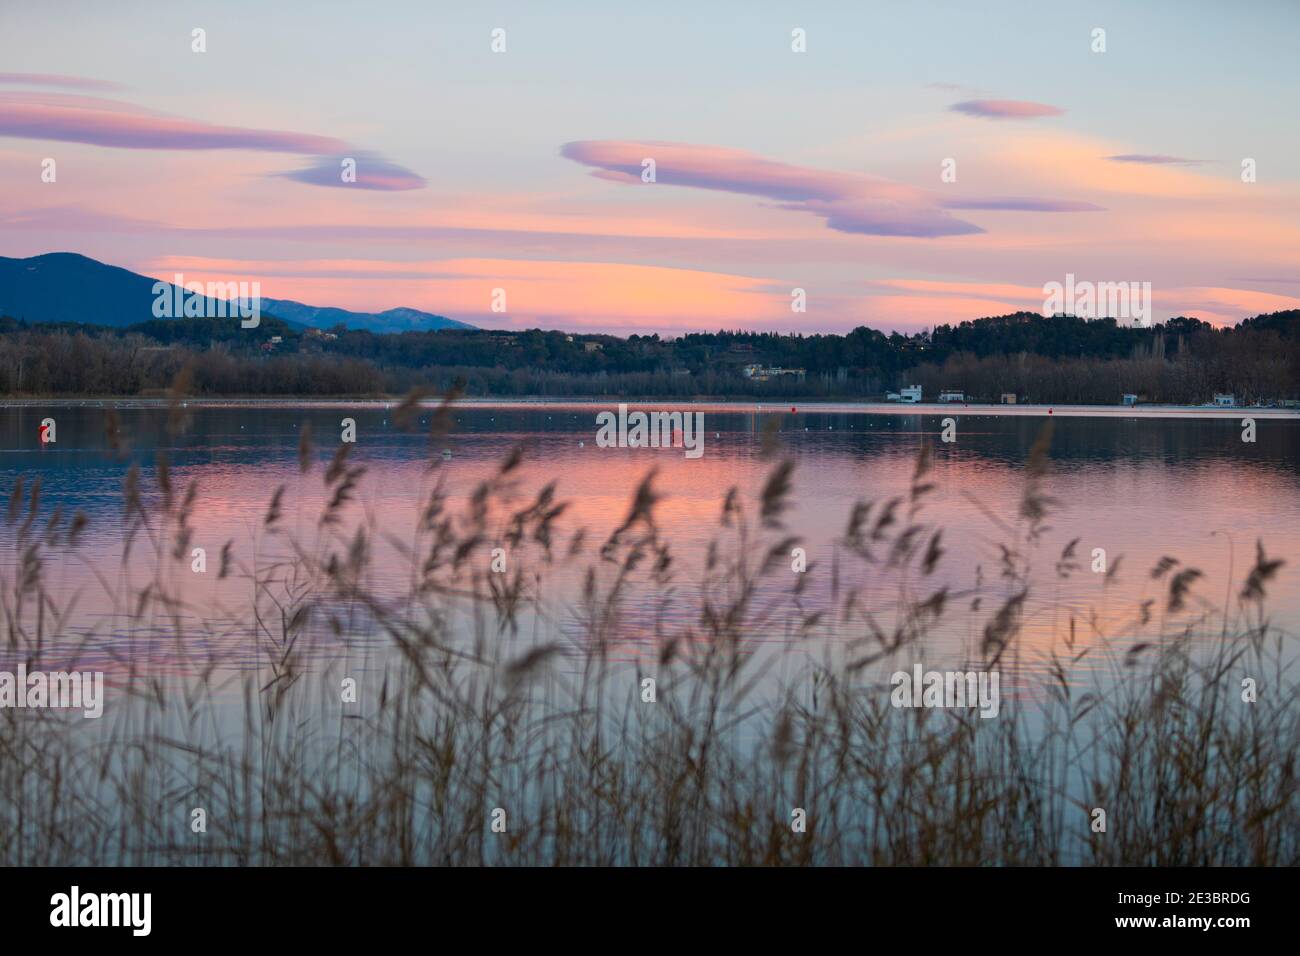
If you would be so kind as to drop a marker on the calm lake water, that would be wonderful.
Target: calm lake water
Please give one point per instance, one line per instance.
(1140, 486)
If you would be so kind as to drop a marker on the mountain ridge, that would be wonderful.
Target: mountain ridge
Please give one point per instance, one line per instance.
(70, 287)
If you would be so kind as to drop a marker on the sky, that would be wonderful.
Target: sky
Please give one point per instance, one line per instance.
(913, 164)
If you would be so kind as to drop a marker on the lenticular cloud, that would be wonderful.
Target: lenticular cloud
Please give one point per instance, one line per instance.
(1005, 109)
(78, 118)
(72, 118)
(372, 172)
(847, 202)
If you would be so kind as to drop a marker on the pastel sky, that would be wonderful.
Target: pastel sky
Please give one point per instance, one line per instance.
(775, 170)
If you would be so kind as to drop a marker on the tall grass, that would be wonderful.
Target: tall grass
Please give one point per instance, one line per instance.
(472, 697)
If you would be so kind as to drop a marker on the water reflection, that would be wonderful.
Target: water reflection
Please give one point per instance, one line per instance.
(1138, 488)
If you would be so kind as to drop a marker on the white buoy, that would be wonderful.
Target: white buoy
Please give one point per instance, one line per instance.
(582, 444)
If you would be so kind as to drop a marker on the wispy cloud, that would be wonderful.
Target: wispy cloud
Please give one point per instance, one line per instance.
(71, 118)
(848, 202)
(1005, 109)
(1155, 159)
(77, 118)
(57, 80)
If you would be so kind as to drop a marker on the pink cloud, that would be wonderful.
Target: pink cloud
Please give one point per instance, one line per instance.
(1220, 305)
(1005, 109)
(870, 218)
(848, 202)
(81, 119)
(372, 172)
(76, 118)
(105, 122)
(57, 80)
(727, 170)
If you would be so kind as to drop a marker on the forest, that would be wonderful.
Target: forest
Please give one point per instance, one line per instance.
(1061, 359)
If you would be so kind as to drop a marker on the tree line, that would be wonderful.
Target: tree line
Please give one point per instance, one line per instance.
(1043, 359)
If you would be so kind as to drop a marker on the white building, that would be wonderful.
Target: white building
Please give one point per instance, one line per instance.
(952, 395)
(1223, 400)
(1128, 399)
(909, 396)
(761, 374)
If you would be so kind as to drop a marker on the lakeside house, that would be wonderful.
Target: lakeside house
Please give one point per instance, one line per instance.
(952, 395)
(908, 396)
(760, 374)
(1224, 400)
(1128, 399)
(1008, 398)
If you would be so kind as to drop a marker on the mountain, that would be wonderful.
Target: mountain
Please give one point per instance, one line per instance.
(67, 287)
(391, 320)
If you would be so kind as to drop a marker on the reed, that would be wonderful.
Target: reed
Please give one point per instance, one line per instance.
(475, 697)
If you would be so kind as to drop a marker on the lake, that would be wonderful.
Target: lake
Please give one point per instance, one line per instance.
(1139, 486)
(361, 651)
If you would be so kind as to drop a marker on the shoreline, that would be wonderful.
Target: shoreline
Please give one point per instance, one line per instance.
(721, 405)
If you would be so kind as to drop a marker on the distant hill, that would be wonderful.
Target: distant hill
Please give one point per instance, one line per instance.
(1054, 359)
(67, 287)
(391, 320)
